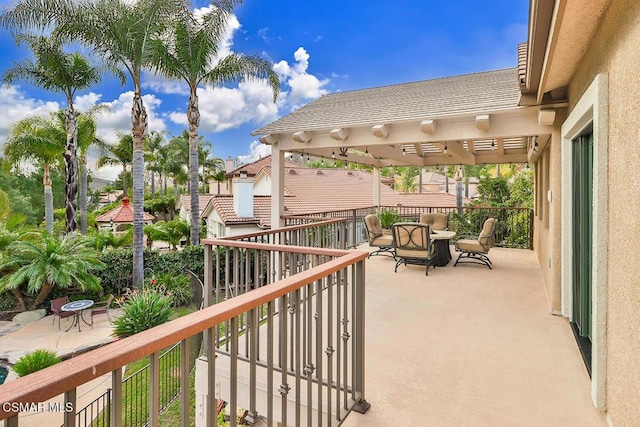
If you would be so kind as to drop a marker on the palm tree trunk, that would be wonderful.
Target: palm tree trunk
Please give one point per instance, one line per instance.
(71, 162)
(193, 115)
(139, 122)
(83, 194)
(153, 184)
(42, 295)
(18, 296)
(165, 184)
(48, 199)
(124, 180)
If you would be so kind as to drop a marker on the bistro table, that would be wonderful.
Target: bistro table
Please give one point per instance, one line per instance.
(442, 254)
(77, 307)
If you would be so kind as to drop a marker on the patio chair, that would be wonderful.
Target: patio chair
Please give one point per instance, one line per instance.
(412, 244)
(435, 221)
(102, 308)
(475, 249)
(378, 236)
(56, 305)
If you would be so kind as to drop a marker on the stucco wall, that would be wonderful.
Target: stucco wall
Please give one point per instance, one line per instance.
(614, 50)
(547, 222)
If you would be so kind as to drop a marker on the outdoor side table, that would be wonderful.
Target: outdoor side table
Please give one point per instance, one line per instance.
(77, 307)
(442, 254)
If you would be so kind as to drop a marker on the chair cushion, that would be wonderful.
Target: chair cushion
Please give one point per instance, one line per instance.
(412, 253)
(374, 227)
(467, 245)
(436, 221)
(382, 241)
(487, 231)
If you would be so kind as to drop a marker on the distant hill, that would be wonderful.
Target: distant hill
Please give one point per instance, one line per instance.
(99, 183)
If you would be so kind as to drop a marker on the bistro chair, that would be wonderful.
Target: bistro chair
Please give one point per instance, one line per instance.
(475, 249)
(412, 244)
(435, 221)
(378, 236)
(56, 309)
(102, 308)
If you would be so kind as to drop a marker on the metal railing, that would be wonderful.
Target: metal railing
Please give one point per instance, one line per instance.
(514, 226)
(98, 412)
(312, 315)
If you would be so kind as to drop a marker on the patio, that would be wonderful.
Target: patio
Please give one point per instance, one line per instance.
(469, 346)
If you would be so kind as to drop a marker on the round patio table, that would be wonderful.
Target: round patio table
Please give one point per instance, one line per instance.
(442, 254)
(77, 307)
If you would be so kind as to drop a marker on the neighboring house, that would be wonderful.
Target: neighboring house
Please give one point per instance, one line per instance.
(571, 110)
(183, 205)
(118, 217)
(108, 198)
(307, 191)
(434, 182)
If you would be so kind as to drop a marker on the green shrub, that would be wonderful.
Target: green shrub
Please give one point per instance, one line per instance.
(142, 310)
(34, 361)
(388, 217)
(7, 301)
(177, 286)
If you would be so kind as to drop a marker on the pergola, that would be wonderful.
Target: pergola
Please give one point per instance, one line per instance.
(470, 119)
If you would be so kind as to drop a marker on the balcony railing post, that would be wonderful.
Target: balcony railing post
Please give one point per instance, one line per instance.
(116, 397)
(354, 219)
(362, 405)
(70, 416)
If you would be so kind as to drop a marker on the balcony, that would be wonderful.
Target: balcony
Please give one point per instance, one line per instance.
(462, 346)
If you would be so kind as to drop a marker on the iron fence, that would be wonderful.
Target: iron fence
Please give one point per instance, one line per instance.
(514, 226)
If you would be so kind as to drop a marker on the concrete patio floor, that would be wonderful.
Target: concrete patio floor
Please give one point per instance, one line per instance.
(41, 334)
(469, 346)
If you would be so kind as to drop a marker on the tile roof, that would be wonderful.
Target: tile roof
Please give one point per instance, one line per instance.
(253, 168)
(466, 94)
(184, 202)
(320, 190)
(223, 204)
(123, 214)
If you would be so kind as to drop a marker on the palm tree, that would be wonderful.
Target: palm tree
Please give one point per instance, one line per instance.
(119, 32)
(104, 239)
(186, 52)
(121, 155)
(58, 71)
(155, 141)
(37, 138)
(219, 177)
(171, 232)
(44, 261)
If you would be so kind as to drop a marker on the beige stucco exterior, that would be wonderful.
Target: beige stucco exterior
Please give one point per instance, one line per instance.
(609, 69)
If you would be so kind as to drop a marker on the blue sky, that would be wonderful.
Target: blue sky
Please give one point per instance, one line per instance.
(317, 47)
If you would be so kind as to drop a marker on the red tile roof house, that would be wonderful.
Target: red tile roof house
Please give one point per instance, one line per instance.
(123, 214)
(307, 191)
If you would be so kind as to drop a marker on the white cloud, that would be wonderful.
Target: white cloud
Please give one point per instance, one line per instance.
(304, 86)
(224, 108)
(162, 85)
(257, 150)
(118, 119)
(15, 106)
(84, 103)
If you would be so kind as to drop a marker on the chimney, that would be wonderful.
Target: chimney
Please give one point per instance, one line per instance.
(229, 165)
(243, 196)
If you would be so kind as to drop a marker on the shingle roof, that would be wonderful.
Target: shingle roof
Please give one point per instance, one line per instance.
(123, 214)
(466, 94)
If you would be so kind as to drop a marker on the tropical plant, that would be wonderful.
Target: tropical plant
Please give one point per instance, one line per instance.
(35, 361)
(171, 232)
(120, 154)
(178, 286)
(186, 52)
(58, 71)
(154, 143)
(106, 239)
(45, 261)
(218, 177)
(142, 310)
(5, 206)
(388, 217)
(37, 138)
